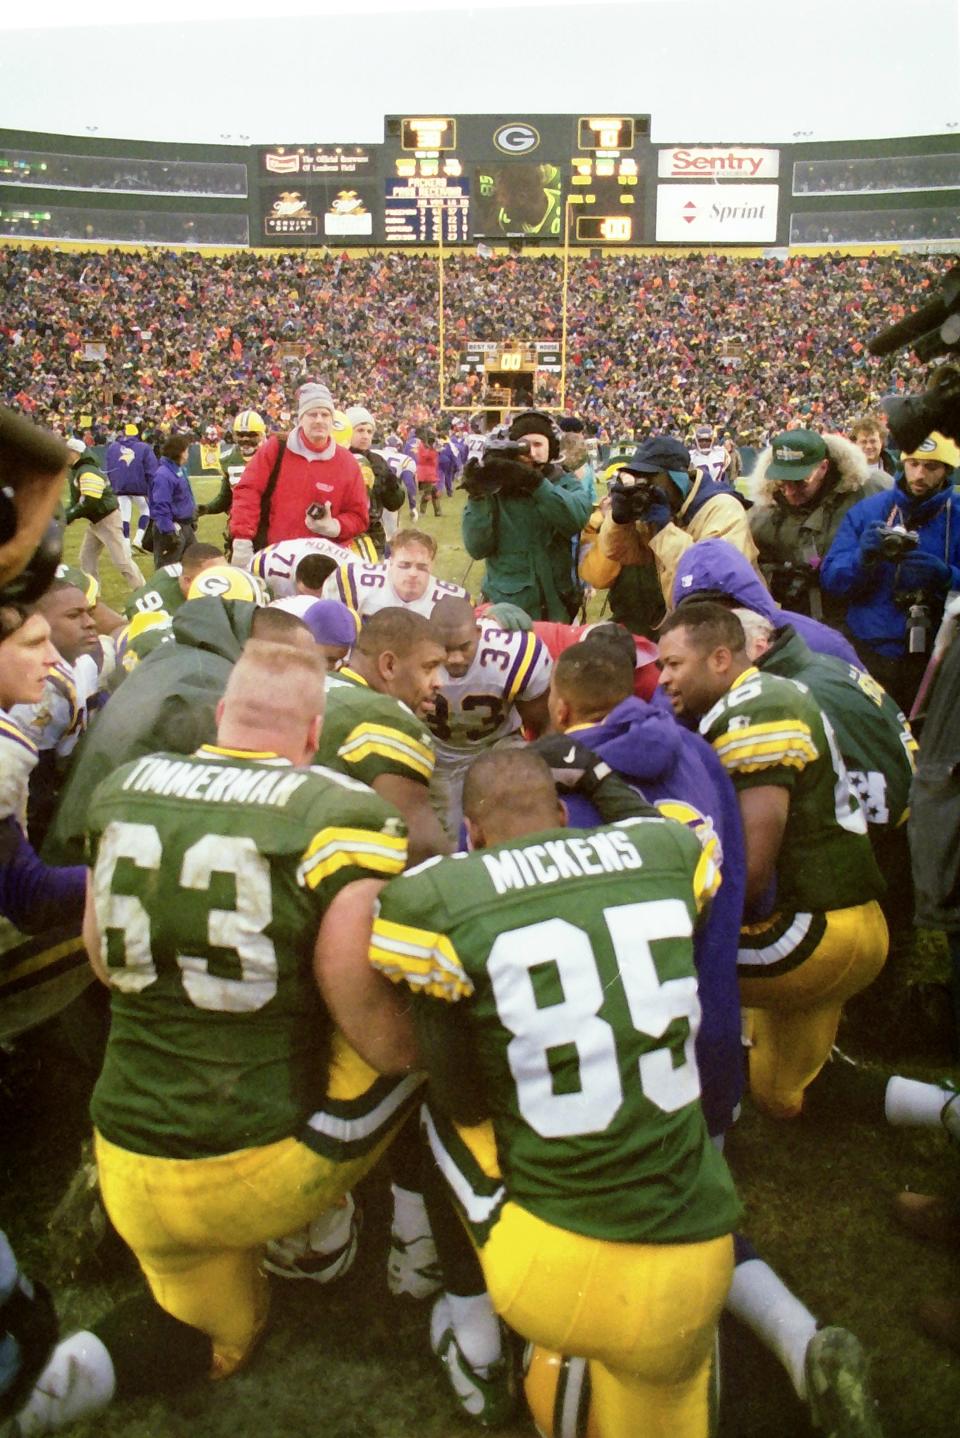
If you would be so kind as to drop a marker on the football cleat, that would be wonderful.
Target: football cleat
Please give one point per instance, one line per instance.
(413, 1267)
(78, 1381)
(488, 1394)
(838, 1389)
(322, 1252)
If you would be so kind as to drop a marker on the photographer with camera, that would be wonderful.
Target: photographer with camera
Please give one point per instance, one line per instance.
(804, 484)
(894, 560)
(521, 516)
(660, 506)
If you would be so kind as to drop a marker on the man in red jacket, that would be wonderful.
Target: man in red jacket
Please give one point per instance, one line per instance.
(318, 488)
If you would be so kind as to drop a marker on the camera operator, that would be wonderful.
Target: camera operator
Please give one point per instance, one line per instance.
(895, 558)
(661, 506)
(804, 483)
(521, 516)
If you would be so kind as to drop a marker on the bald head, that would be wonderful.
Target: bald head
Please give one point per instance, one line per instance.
(277, 626)
(758, 632)
(507, 794)
(394, 629)
(274, 701)
(457, 629)
(451, 611)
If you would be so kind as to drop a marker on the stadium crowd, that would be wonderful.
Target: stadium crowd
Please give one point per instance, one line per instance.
(749, 345)
(647, 834)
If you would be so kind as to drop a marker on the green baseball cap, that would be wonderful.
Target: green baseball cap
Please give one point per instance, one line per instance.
(796, 454)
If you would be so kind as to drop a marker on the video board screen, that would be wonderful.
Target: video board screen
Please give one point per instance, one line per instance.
(415, 208)
(522, 198)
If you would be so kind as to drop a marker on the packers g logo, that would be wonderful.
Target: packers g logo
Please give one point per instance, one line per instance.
(516, 138)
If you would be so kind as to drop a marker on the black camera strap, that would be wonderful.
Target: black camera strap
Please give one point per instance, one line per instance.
(263, 528)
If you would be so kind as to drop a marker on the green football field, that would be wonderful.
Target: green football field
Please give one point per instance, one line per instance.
(350, 1361)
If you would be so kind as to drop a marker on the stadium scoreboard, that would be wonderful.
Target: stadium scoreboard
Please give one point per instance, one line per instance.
(537, 179)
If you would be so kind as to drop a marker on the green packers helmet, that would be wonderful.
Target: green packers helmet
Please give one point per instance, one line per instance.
(557, 1389)
(224, 581)
(249, 432)
(342, 430)
(249, 422)
(86, 583)
(140, 636)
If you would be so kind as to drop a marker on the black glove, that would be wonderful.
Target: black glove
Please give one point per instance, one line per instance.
(631, 501)
(485, 477)
(577, 770)
(167, 546)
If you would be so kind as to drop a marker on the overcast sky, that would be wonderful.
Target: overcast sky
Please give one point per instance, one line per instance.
(329, 70)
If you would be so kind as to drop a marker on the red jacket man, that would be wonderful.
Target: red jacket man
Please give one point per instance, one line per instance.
(319, 489)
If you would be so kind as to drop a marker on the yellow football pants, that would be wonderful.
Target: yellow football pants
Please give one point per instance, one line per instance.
(645, 1314)
(792, 1018)
(198, 1226)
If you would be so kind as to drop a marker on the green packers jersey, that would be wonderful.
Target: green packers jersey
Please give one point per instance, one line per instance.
(770, 731)
(563, 963)
(366, 734)
(211, 873)
(873, 736)
(162, 592)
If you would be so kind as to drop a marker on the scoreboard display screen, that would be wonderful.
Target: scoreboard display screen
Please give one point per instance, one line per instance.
(419, 209)
(518, 198)
(531, 179)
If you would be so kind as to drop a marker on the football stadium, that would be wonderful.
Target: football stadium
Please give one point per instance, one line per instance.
(478, 748)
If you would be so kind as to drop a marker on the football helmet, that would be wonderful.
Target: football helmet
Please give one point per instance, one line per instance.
(140, 636)
(249, 432)
(703, 435)
(211, 434)
(342, 430)
(557, 1389)
(225, 581)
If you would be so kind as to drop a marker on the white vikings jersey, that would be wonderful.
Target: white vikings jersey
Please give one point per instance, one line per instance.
(60, 718)
(474, 445)
(712, 462)
(18, 759)
(277, 564)
(476, 711)
(366, 589)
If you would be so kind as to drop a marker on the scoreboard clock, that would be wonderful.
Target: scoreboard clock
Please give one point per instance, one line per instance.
(604, 229)
(605, 132)
(419, 134)
(606, 177)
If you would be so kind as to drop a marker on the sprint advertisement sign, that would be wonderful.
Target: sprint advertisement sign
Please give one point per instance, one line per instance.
(726, 214)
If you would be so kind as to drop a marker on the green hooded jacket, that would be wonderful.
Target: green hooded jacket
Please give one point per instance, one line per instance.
(527, 542)
(167, 704)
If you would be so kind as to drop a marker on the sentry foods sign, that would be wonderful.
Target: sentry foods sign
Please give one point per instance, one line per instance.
(718, 162)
